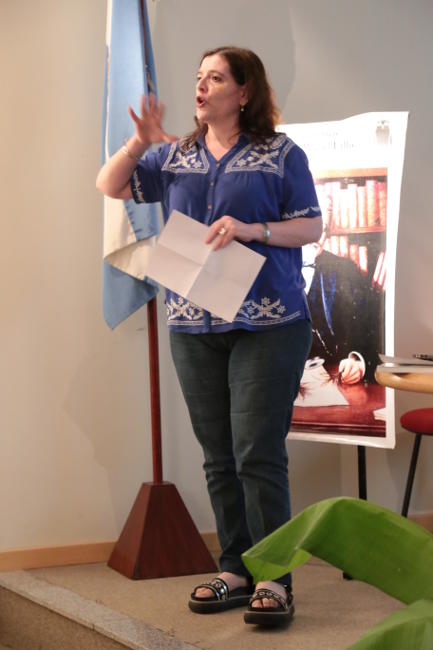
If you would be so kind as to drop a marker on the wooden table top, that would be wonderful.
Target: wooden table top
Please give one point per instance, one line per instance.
(416, 382)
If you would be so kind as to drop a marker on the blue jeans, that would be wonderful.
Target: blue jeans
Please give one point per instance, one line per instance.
(239, 387)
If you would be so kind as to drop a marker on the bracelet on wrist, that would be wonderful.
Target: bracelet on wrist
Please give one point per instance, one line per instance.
(128, 153)
(266, 233)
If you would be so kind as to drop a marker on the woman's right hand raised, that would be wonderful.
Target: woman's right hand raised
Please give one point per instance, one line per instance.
(148, 126)
(114, 177)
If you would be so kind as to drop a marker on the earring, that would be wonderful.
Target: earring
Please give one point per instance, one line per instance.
(242, 108)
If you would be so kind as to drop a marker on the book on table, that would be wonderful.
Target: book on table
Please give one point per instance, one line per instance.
(402, 365)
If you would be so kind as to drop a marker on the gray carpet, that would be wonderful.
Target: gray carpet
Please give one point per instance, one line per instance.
(331, 613)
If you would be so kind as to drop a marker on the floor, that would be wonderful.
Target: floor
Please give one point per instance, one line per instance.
(331, 613)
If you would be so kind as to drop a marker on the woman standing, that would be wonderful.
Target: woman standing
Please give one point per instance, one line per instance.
(240, 379)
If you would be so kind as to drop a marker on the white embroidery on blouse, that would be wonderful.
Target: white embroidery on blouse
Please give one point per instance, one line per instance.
(180, 161)
(137, 187)
(265, 157)
(183, 313)
(252, 310)
(242, 317)
(184, 309)
(301, 213)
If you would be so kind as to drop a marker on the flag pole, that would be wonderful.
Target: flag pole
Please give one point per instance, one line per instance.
(155, 401)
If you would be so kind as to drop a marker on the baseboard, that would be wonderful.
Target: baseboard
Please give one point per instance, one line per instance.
(212, 543)
(36, 558)
(424, 519)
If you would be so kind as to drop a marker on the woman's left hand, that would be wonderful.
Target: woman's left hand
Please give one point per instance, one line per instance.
(227, 228)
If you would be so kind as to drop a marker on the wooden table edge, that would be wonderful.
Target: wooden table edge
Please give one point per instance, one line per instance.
(415, 382)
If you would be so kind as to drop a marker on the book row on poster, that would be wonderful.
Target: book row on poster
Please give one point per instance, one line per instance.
(353, 205)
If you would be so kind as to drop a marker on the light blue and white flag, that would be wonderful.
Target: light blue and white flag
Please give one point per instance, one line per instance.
(129, 229)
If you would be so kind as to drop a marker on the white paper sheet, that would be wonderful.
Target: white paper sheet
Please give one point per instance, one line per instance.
(217, 281)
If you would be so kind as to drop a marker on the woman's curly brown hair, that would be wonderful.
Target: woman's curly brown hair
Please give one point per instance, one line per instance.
(261, 114)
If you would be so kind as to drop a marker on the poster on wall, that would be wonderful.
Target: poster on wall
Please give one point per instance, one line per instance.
(357, 166)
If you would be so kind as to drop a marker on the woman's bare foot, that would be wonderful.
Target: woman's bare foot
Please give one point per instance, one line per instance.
(269, 602)
(232, 580)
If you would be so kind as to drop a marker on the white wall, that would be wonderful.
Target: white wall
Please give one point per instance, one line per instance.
(74, 415)
(75, 421)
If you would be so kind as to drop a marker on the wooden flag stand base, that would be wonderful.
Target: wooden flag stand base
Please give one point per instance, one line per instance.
(159, 538)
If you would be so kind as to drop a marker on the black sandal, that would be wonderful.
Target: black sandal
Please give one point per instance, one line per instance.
(221, 599)
(270, 616)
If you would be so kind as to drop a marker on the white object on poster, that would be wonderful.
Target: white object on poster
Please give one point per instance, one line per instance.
(318, 388)
(217, 281)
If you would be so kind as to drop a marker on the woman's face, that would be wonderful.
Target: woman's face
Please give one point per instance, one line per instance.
(218, 96)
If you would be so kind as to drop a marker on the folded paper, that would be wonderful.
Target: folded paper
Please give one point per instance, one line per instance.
(217, 281)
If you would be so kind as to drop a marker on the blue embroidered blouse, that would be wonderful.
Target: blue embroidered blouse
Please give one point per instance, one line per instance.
(251, 182)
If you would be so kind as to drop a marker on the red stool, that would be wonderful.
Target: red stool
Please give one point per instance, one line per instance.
(420, 422)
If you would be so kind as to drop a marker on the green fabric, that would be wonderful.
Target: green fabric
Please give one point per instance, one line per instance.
(368, 542)
(407, 629)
